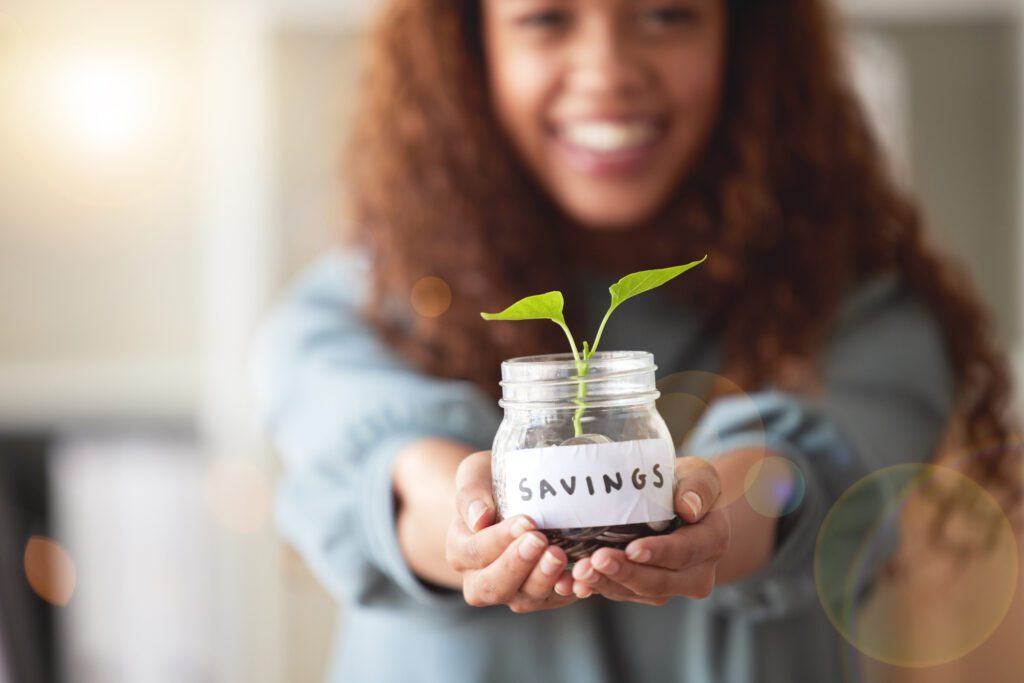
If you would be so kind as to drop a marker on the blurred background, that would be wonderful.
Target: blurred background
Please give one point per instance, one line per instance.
(165, 166)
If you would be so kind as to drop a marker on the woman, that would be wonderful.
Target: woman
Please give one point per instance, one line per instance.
(510, 147)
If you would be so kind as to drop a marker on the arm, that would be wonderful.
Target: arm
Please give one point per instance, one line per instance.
(340, 407)
(887, 393)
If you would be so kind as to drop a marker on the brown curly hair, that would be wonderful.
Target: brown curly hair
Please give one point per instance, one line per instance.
(792, 198)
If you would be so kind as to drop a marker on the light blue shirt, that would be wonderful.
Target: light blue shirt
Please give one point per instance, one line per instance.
(339, 405)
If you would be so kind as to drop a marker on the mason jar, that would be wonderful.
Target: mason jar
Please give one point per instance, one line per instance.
(588, 457)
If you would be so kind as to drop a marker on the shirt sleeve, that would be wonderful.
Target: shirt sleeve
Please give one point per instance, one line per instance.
(338, 406)
(888, 391)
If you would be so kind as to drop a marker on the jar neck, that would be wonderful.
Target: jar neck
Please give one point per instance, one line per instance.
(553, 382)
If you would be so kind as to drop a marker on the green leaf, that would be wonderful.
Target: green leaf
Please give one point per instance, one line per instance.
(646, 280)
(638, 283)
(537, 307)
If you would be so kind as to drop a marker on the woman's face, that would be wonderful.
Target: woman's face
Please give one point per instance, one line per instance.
(608, 102)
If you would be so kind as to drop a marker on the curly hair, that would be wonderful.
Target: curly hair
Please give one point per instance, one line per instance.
(792, 197)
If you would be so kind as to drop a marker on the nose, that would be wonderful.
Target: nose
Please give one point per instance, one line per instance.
(603, 61)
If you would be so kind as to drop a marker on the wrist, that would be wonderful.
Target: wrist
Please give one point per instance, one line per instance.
(423, 481)
(425, 469)
(749, 498)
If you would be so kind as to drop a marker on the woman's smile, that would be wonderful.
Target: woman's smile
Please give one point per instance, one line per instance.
(609, 148)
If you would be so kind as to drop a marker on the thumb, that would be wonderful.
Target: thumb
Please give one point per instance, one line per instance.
(473, 499)
(697, 488)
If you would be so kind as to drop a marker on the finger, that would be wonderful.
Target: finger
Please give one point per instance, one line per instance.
(525, 605)
(697, 488)
(613, 591)
(541, 581)
(582, 573)
(587, 580)
(499, 582)
(656, 582)
(473, 499)
(686, 546)
(466, 550)
(564, 584)
(611, 566)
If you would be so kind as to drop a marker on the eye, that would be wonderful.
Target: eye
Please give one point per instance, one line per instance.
(546, 19)
(666, 17)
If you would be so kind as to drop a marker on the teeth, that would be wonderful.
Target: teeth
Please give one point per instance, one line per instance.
(609, 136)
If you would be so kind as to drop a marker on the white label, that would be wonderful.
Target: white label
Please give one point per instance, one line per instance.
(602, 484)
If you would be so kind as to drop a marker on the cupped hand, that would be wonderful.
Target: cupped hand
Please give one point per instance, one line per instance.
(654, 569)
(504, 563)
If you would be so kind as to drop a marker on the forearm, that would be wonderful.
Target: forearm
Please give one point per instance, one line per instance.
(424, 484)
(752, 530)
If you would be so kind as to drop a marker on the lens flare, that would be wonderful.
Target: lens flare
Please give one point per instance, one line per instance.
(775, 486)
(931, 606)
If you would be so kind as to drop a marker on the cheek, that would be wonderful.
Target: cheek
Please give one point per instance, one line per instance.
(519, 89)
(695, 88)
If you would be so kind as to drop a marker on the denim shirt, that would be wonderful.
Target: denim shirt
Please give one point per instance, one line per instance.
(339, 405)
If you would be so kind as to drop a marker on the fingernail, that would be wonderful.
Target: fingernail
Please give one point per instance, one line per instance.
(476, 510)
(521, 526)
(549, 564)
(586, 573)
(584, 592)
(607, 565)
(693, 501)
(638, 554)
(559, 589)
(531, 547)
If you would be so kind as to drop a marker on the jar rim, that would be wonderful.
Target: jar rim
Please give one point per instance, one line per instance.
(554, 380)
(555, 359)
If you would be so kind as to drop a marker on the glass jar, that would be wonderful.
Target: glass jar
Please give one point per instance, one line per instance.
(592, 465)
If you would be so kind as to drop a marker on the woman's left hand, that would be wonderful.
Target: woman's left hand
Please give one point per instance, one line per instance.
(653, 569)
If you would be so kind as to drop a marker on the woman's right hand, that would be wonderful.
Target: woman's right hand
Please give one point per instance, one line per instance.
(508, 563)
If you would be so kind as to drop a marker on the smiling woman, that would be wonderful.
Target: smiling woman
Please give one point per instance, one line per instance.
(510, 147)
(608, 104)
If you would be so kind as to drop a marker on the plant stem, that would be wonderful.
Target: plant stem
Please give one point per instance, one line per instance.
(572, 342)
(582, 369)
(600, 331)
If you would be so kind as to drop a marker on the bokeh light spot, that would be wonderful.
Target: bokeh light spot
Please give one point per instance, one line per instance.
(775, 486)
(933, 607)
(431, 297)
(49, 570)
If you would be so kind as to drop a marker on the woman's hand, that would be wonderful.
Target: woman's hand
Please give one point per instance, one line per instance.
(508, 563)
(654, 569)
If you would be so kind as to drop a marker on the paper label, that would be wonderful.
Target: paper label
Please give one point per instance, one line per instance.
(602, 484)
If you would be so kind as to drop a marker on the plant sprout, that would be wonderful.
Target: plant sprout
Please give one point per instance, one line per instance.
(549, 306)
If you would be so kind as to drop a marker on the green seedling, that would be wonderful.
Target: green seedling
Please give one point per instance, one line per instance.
(549, 307)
